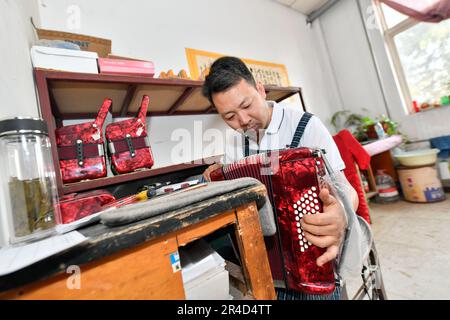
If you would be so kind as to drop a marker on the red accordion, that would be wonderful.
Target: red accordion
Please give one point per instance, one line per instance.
(80, 148)
(75, 206)
(128, 143)
(293, 178)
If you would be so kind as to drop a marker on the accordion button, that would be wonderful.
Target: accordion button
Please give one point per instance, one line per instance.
(313, 211)
(297, 218)
(299, 230)
(295, 206)
(298, 202)
(317, 207)
(309, 243)
(309, 192)
(313, 188)
(315, 195)
(298, 224)
(303, 205)
(306, 246)
(302, 249)
(316, 201)
(296, 212)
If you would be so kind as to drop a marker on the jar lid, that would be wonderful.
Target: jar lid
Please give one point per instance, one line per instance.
(23, 125)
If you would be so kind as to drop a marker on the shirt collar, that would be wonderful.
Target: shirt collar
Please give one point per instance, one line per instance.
(277, 117)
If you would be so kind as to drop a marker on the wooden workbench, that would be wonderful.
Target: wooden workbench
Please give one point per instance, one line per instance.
(134, 261)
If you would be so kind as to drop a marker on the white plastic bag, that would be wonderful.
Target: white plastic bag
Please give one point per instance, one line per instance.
(358, 236)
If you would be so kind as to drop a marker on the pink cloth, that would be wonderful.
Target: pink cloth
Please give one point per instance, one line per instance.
(422, 10)
(380, 146)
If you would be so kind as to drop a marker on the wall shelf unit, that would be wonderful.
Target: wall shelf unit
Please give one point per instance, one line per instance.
(69, 95)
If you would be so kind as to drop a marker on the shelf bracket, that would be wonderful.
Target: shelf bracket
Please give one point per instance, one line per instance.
(180, 100)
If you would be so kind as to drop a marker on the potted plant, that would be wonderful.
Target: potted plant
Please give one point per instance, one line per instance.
(363, 127)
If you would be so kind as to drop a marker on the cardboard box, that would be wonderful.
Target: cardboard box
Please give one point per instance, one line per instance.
(64, 59)
(126, 67)
(87, 43)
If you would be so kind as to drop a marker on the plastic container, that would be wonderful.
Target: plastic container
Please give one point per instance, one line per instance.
(386, 188)
(380, 131)
(417, 157)
(365, 183)
(28, 180)
(421, 184)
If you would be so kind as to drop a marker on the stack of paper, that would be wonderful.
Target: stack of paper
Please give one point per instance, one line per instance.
(204, 274)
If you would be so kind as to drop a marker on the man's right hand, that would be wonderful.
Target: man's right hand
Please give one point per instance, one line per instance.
(210, 169)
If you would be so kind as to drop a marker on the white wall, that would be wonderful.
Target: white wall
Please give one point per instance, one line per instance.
(355, 70)
(160, 30)
(17, 94)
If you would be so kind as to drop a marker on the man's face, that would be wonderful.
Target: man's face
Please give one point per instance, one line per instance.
(243, 106)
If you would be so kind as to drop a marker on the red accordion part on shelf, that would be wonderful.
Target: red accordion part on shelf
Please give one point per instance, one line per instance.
(293, 180)
(80, 148)
(128, 144)
(79, 205)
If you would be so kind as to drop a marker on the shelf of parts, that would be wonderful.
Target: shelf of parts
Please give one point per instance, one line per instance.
(181, 97)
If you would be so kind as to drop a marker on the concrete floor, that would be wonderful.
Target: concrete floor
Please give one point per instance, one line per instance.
(413, 244)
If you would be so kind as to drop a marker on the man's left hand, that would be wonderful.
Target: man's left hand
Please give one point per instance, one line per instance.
(326, 229)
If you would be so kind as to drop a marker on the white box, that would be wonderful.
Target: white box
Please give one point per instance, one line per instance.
(203, 272)
(64, 59)
(215, 286)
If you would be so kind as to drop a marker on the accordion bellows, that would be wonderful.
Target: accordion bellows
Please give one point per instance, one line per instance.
(293, 178)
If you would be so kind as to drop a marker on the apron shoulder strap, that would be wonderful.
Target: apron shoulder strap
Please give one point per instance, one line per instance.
(300, 129)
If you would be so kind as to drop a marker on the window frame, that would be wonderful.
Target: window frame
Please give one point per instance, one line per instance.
(388, 34)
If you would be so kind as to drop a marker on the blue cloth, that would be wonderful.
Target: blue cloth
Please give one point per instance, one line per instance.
(443, 144)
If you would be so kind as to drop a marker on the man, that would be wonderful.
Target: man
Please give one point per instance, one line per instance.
(266, 125)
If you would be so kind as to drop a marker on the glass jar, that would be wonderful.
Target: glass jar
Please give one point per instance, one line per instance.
(28, 183)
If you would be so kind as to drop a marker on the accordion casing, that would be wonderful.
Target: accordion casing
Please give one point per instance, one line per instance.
(80, 148)
(128, 143)
(293, 178)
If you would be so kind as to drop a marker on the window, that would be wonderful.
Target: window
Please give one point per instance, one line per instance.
(420, 56)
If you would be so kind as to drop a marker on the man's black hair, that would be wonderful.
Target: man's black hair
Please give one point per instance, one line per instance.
(225, 73)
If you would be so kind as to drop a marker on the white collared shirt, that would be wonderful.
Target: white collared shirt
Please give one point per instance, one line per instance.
(279, 134)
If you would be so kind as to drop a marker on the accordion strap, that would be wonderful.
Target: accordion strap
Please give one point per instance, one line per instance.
(102, 113)
(300, 129)
(128, 144)
(80, 151)
(142, 114)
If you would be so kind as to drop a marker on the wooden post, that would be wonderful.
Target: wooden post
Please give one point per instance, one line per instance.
(254, 259)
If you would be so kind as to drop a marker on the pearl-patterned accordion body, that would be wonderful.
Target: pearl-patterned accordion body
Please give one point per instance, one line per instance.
(80, 148)
(293, 178)
(128, 144)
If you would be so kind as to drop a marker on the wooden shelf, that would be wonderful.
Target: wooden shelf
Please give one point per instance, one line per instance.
(79, 95)
(137, 175)
(70, 95)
